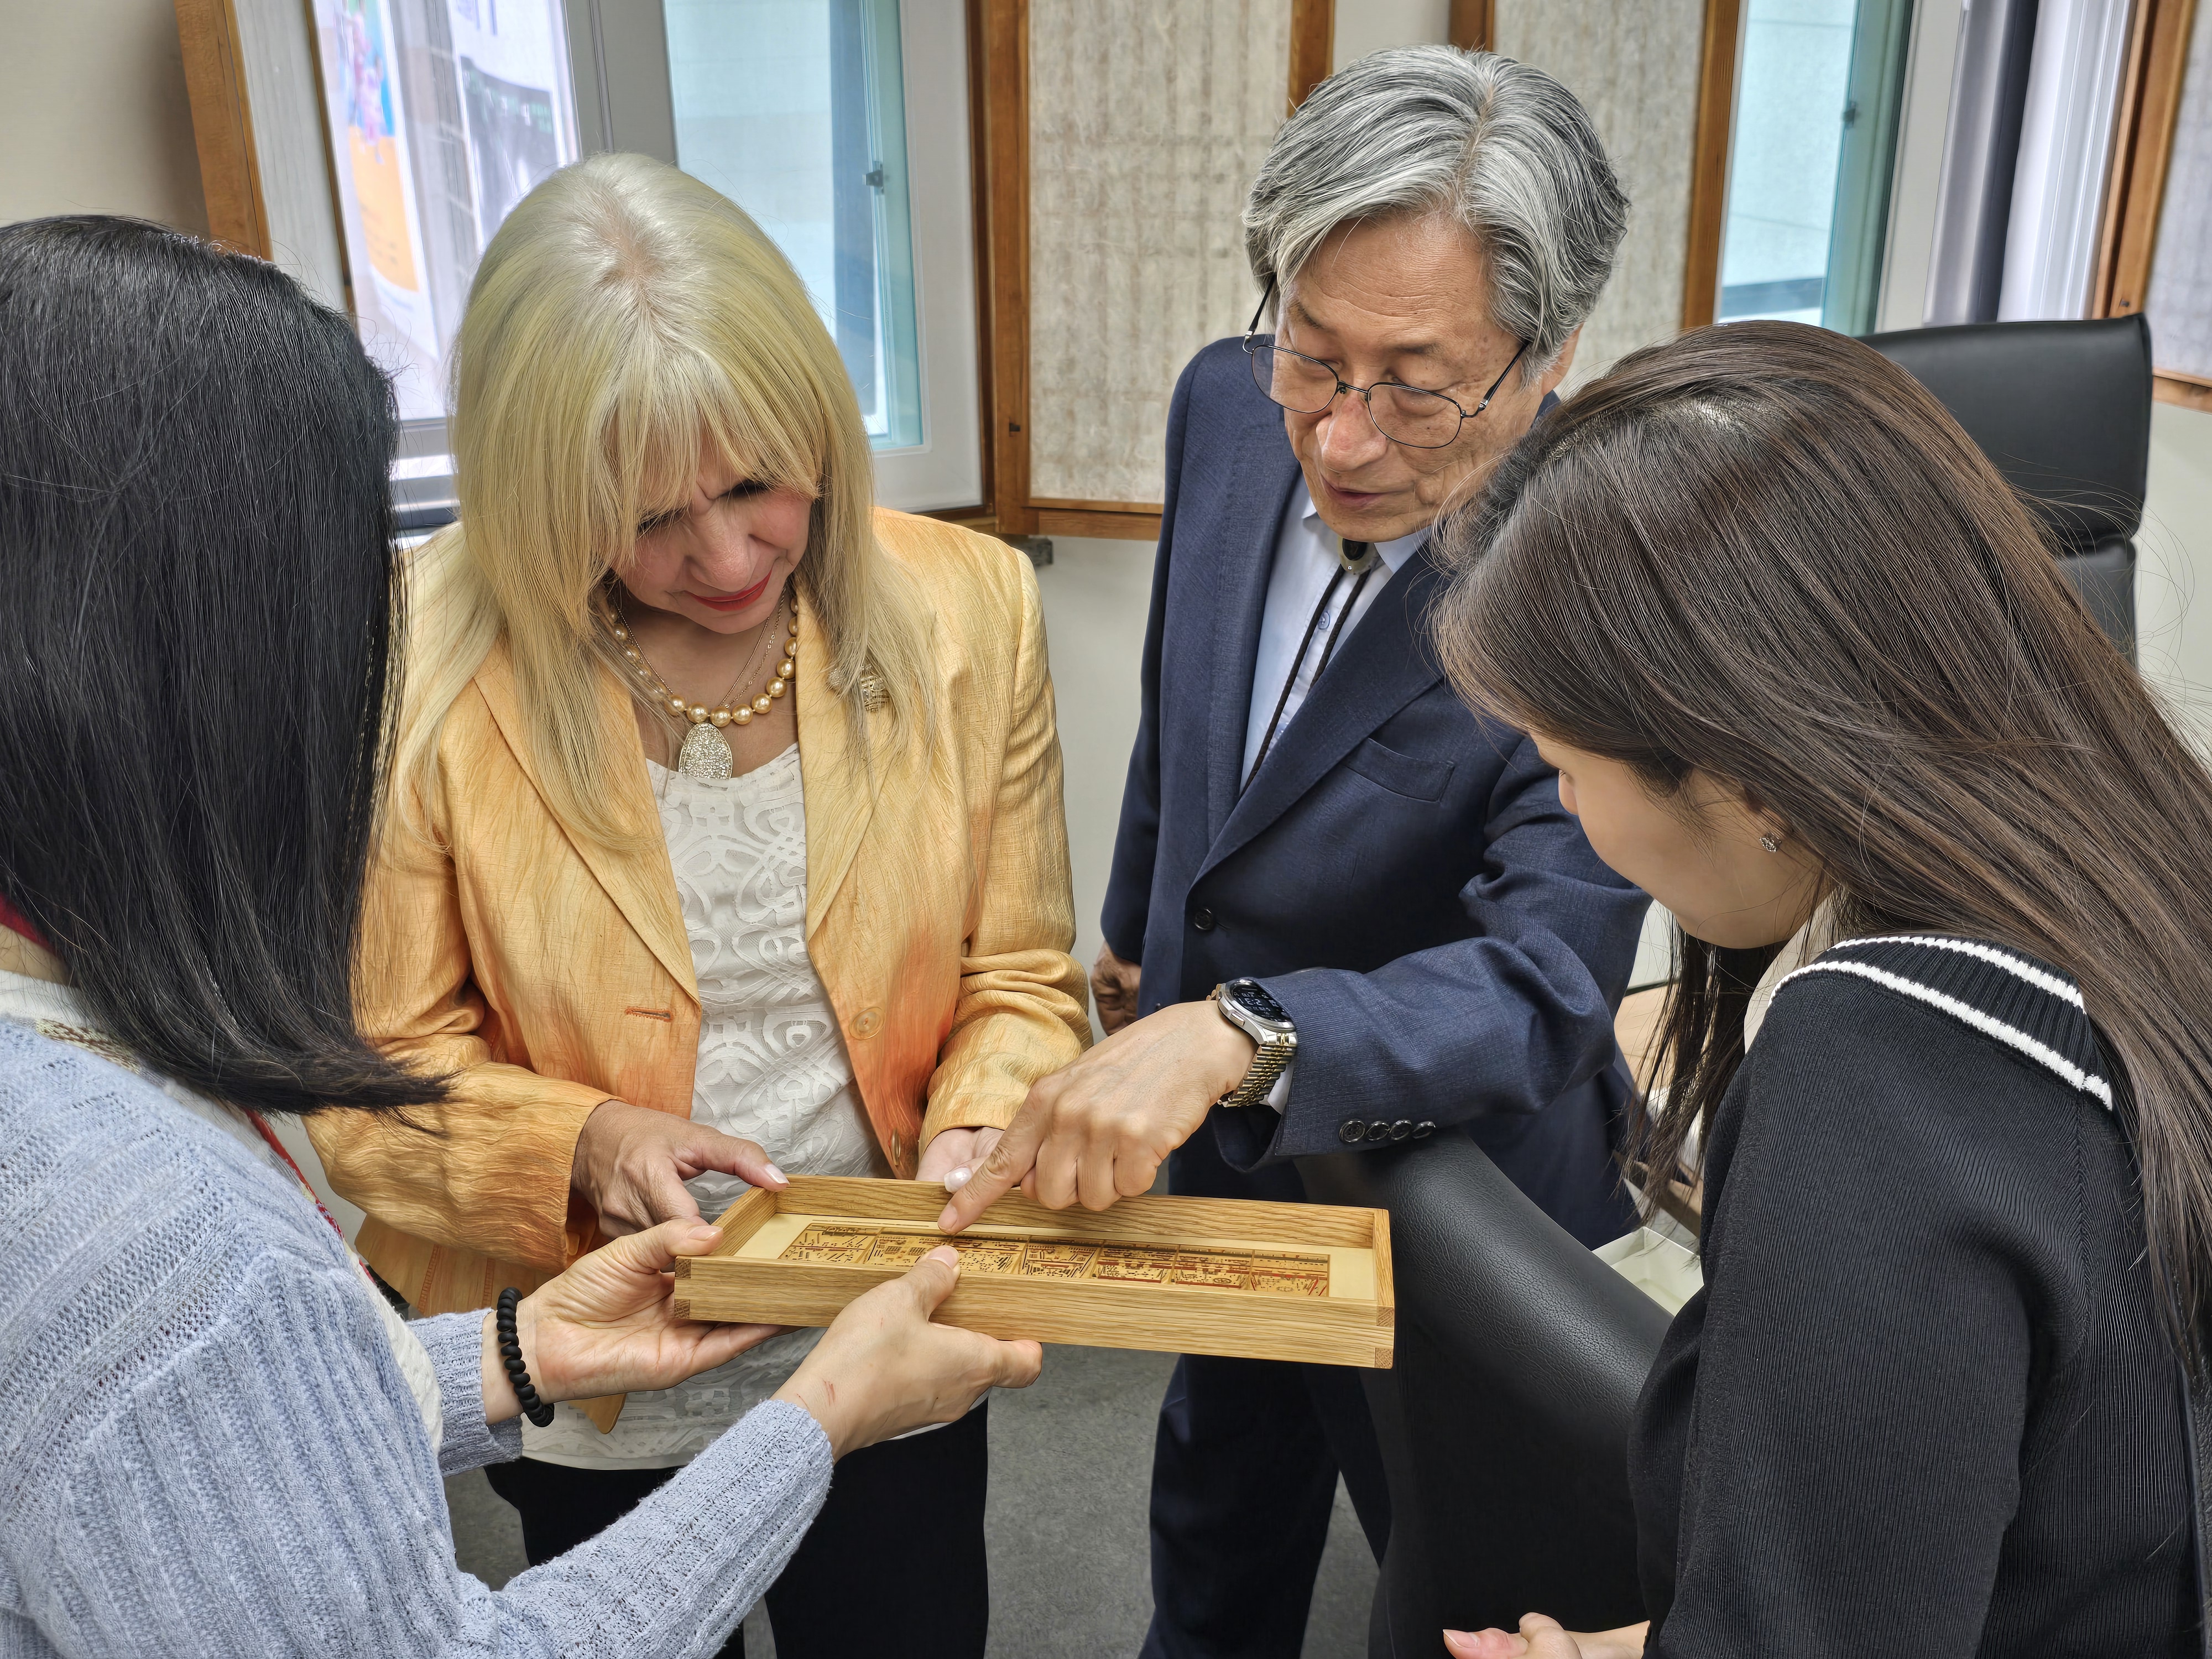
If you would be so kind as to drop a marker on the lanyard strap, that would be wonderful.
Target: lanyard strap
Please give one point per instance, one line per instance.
(1305, 643)
(16, 921)
(261, 1127)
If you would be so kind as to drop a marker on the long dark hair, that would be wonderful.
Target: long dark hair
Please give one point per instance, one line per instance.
(195, 638)
(1764, 552)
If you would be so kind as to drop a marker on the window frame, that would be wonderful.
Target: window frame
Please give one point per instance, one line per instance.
(2150, 111)
(266, 170)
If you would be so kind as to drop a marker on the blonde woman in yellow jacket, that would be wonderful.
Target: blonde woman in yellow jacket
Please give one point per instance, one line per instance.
(728, 840)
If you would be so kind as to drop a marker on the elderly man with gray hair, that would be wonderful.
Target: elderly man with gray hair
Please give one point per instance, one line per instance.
(1344, 911)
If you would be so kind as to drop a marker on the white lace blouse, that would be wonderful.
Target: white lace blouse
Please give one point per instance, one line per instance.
(772, 1069)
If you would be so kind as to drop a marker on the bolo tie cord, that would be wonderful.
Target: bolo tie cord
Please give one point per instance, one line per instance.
(1313, 626)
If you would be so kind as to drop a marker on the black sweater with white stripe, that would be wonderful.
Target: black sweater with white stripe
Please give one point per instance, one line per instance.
(1924, 1404)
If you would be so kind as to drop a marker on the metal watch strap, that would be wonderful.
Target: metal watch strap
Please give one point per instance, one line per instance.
(1259, 1077)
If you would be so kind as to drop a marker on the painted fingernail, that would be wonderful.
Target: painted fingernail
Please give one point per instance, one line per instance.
(957, 1179)
(777, 1173)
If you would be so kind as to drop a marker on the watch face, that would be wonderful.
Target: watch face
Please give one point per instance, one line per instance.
(1252, 997)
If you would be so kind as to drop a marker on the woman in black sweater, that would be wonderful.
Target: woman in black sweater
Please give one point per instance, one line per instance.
(1812, 679)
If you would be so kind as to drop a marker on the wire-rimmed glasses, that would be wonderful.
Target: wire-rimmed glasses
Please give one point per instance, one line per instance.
(1404, 413)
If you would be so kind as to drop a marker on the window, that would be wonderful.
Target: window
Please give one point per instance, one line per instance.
(1817, 100)
(443, 114)
(797, 112)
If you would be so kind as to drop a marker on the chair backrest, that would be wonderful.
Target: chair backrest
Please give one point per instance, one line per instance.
(1504, 1424)
(2062, 409)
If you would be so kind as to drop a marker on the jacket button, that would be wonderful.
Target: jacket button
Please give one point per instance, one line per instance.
(1423, 1131)
(868, 1023)
(1402, 1129)
(1202, 919)
(1355, 1130)
(1378, 1130)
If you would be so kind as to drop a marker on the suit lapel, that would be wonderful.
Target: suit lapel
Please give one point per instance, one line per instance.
(833, 775)
(642, 885)
(1269, 468)
(1383, 665)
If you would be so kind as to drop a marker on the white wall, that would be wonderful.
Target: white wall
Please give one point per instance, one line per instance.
(93, 112)
(1095, 595)
(2173, 573)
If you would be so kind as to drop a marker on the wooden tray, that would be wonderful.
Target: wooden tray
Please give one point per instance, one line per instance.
(1176, 1276)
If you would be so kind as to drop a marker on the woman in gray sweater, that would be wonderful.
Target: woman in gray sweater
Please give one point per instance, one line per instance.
(219, 1438)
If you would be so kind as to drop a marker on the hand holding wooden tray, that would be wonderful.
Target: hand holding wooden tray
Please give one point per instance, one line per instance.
(1177, 1275)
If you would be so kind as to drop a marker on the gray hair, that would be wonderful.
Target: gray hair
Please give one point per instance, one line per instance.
(1502, 148)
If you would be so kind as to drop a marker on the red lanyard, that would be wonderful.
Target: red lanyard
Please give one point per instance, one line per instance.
(15, 921)
(277, 1146)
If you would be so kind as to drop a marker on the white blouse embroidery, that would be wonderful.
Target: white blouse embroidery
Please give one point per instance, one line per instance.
(772, 1068)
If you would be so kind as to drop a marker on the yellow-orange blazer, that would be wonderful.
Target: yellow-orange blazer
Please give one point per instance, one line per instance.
(547, 975)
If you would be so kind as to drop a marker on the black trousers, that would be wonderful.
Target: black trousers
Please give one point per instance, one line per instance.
(1244, 1470)
(1244, 1476)
(894, 1563)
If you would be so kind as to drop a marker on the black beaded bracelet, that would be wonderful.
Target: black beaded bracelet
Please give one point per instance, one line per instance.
(510, 1353)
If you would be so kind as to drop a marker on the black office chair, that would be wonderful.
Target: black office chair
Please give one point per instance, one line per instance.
(2064, 410)
(1504, 1424)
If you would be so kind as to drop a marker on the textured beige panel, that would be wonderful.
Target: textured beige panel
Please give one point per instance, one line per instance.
(1633, 64)
(1148, 120)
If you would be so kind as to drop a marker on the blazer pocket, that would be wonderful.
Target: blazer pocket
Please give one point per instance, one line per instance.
(1401, 775)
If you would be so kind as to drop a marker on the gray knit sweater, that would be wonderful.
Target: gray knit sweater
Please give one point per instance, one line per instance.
(207, 1447)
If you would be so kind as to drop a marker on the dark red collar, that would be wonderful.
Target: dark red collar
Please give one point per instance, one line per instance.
(15, 921)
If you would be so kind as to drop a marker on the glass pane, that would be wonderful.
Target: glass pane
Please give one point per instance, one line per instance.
(443, 114)
(1817, 99)
(796, 111)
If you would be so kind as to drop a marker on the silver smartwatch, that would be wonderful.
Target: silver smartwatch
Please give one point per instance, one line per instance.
(1245, 1004)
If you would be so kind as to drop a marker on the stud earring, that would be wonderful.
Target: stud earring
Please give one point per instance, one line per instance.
(1769, 843)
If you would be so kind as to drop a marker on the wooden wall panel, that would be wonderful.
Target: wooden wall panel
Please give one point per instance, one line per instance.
(1146, 121)
(1638, 69)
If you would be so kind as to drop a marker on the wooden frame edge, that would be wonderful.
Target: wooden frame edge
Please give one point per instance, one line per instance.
(1709, 168)
(223, 125)
(2113, 211)
(1313, 47)
(999, 51)
(2183, 391)
(1472, 25)
(979, 197)
(2141, 152)
(1110, 527)
(1004, 37)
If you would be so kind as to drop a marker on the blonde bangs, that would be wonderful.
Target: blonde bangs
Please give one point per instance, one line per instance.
(670, 419)
(626, 323)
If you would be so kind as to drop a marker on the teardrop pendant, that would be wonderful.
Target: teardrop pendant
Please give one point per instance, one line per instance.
(706, 754)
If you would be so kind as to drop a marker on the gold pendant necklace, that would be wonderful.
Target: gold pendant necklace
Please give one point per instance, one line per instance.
(706, 751)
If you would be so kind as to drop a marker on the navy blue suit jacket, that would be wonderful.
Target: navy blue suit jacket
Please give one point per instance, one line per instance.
(1399, 874)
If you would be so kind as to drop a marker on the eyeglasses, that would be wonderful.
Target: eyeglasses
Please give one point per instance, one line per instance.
(1404, 413)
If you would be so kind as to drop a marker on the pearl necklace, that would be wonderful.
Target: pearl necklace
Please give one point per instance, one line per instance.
(706, 751)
